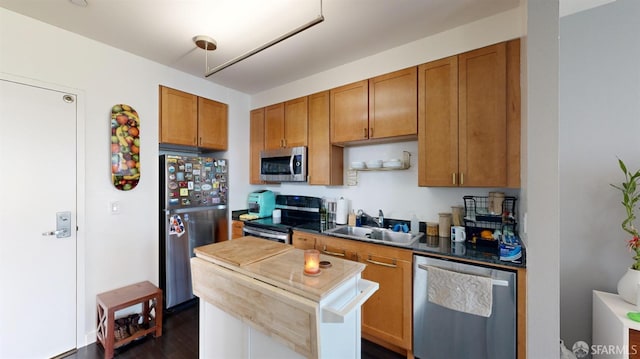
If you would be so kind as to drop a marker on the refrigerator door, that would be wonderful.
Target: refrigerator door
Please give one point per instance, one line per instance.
(199, 228)
(189, 181)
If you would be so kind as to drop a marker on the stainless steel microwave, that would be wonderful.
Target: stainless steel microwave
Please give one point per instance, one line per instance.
(284, 165)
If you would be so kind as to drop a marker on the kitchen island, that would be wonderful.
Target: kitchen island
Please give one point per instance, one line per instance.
(256, 301)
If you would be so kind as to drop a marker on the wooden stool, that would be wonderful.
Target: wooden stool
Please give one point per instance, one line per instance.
(109, 302)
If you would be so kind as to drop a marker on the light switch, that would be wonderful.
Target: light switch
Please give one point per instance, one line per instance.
(114, 207)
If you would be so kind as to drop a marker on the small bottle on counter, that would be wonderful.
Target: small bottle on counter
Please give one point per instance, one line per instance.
(359, 218)
(444, 225)
(351, 221)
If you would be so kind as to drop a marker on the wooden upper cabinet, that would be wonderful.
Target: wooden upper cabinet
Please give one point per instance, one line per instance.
(274, 126)
(178, 117)
(285, 124)
(326, 161)
(438, 122)
(393, 107)
(482, 113)
(212, 124)
(190, 120)
(256, 144)
(469, 119)
(350, 112)
(296, 122)
(513, 113)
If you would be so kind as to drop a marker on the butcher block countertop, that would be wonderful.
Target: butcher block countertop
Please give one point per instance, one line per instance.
(279, 265)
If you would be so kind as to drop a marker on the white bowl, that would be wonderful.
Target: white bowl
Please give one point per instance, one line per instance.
(374, 164)
(357, 165)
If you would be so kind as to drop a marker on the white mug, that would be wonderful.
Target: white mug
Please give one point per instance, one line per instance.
(458, 234)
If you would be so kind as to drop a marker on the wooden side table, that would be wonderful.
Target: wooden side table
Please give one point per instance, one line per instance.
(109, 302)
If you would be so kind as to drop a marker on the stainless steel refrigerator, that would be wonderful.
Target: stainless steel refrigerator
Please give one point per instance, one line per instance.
(193, 212)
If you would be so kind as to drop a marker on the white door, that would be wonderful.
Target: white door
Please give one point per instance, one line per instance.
(37, 181)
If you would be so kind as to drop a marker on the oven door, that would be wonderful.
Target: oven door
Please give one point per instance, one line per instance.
(282, 237)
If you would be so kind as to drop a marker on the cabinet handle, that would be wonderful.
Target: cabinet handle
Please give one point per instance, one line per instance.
(284, 143)
(365, 132)
(453, 178)
(325, 251)
(371, 132)
(200, 140)
(461, 178)
(390, 265)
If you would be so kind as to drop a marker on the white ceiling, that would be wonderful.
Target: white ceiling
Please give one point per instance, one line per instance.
(162, 31)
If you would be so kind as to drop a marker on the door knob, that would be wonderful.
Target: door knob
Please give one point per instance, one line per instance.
(63, 226)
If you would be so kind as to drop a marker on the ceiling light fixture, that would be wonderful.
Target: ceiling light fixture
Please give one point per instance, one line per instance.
(317, 20)
(208, 44)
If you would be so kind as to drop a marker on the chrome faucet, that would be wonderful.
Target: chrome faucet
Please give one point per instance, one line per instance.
(380, 219)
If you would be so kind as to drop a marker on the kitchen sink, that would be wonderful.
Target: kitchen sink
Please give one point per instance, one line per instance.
(373, 234)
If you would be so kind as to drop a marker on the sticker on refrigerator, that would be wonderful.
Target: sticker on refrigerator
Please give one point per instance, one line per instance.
(176, 227)
(184, 192)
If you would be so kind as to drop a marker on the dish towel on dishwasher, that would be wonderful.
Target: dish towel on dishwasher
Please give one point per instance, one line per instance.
(459, 291)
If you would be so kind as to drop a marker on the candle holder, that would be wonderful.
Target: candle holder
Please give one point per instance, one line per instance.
(311, 262)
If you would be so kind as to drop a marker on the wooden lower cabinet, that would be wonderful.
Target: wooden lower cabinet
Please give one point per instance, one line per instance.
(387, 315)
(303, 240)
(236, 229)
(634, 344)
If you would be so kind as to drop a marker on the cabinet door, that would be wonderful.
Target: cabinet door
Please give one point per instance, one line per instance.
(350, 112)
(393, 104)
(326, 161)
(212, 124)
(178, 117)
(482, 117)
(513, 113)
(236, 229)
(295, 122)
(303, 240)
(387, 315)
(256, 144)
(438, 122)
(274, 126)
(337, 247)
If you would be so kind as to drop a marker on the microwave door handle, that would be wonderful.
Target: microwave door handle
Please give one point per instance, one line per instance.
(291, 164)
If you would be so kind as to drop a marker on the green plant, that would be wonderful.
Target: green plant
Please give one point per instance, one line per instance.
(630, 198)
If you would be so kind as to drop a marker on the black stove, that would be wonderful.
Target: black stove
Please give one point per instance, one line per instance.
(297, 212)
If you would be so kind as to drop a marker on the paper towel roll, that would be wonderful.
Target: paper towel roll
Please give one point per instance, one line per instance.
(342, 211)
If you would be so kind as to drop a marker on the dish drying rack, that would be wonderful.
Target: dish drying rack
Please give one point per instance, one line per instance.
(479, 218)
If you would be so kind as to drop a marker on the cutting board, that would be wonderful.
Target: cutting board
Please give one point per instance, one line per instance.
(242, 251)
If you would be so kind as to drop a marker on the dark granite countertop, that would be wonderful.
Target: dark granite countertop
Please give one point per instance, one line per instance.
(436, 246)
(444, 247)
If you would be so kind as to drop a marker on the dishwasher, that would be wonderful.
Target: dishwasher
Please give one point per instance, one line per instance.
(443, 333)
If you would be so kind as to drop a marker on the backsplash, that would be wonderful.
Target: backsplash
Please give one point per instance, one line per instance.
(395, 192)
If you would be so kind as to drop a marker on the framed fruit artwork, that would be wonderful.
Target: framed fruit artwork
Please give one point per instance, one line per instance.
(125, 147)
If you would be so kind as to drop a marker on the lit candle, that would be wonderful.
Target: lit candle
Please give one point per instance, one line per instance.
(311, 261)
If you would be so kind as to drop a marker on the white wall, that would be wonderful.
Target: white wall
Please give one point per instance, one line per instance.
(540, 185)
(599, 121)
(118, 249)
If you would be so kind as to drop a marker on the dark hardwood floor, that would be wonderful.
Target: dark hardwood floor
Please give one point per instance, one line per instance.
(180, 340)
